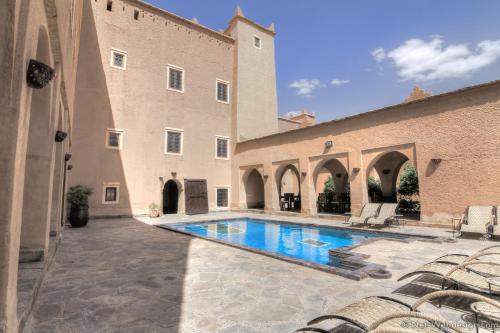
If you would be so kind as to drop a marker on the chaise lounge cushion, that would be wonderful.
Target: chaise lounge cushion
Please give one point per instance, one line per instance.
(387, 211)
(477, 219)
(369, 210)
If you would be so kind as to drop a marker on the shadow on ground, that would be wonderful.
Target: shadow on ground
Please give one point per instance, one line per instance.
(113, 276)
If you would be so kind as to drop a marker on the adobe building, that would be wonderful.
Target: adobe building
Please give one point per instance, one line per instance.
(38, 52)
(452, 139)
(149, 107)
(186, 118)
(161, 103)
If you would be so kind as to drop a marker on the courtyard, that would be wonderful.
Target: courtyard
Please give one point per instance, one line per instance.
(127, 275)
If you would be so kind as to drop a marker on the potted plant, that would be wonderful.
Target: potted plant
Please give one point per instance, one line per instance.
(154, 210)
(78, 200)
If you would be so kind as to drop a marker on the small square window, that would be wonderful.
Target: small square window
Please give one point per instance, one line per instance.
(222, 147)
(118, 59)
(222, 91)
(257, 42)
(114, 138)
(109, 6)
(175, 78)
(110, 193)
(222, 197)
(136, 14)
(173, 141)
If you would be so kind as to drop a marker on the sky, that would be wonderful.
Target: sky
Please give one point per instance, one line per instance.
(339, 58)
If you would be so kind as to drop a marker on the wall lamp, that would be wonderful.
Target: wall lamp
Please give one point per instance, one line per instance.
(436, 161)
(38, 74)
(174, 174)
(328, 144)
(355, 170)
(60, 136)
(303, 173)
(70, 167)
(67, 157)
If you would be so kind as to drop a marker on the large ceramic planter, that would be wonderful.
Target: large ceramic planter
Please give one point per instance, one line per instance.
(78, 216)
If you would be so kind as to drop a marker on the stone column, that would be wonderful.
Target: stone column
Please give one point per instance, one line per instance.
(357, 183)
(268, 179)
(307, 195)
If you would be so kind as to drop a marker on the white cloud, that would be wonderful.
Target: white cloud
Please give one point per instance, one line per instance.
(421, 60)
(305, 87)
(378, 54)
(291, 114)
(338, 82)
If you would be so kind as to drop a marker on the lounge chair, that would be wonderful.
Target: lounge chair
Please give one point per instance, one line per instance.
(465, 275)
(384, 314)
(457, 258)
(386, 213)
(369, 210)
(477, 219)
(496, 223)
(362, 313)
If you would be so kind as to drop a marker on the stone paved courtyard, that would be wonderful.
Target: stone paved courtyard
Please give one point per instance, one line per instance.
(122, 275)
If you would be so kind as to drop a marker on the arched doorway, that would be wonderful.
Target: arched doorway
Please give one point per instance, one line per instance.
(170, 197)
(289, 189)
(382, 177)
(332, 187)
(254, 190)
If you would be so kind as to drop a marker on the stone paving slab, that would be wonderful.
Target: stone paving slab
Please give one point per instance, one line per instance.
(121, 275)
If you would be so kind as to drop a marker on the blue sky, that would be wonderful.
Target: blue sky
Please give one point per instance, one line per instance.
(373, 51)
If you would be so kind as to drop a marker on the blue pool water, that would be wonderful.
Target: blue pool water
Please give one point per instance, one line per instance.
(309, 243)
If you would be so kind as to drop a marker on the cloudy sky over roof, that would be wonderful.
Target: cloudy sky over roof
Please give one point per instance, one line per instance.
(337, 58)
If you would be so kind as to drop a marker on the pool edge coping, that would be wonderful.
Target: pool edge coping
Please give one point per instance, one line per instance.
(357, 275)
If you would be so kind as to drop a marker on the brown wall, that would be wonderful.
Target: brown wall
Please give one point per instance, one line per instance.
(460, 128)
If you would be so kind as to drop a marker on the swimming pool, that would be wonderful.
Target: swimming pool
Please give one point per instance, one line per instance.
(301, 243)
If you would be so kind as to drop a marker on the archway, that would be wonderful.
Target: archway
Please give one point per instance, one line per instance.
(288, 184)
(332, 187)
(254, 190)
(170, 197)
(382, 176)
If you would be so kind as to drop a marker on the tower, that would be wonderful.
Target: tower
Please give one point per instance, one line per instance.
(255, 106)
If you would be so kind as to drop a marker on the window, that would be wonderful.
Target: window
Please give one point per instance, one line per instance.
(222, 147)
(222, 194)
(257, 42)
(173, 141)
(222, 91)
(109, 6)
(118, 59)
(175, 78)
(136, 14)
(114, 138)
(110, 193)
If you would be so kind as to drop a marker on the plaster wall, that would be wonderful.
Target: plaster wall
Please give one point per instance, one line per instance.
(256, 108)
(459, 129)
(137, 101)
(26, 27)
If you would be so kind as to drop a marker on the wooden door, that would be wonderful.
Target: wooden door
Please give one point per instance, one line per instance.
(196, 196)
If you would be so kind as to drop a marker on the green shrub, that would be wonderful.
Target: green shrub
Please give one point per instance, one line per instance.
(408, 183)
(78, 195)
(409, 190)
(374, 185)
(329, 185)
